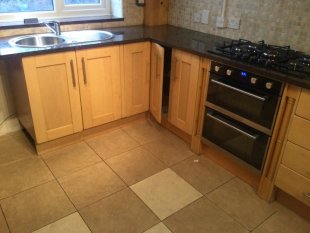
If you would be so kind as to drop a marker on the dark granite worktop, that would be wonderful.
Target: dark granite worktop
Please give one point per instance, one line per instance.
(169, 36)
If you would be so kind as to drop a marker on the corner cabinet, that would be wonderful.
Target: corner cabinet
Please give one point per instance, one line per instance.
(156, 91)
(136, 80)
(53, 90)
(100, 85)
(183, 90)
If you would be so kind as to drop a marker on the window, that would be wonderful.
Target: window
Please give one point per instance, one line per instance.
(20, 9)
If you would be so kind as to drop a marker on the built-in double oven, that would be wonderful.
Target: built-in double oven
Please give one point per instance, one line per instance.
(241, 108)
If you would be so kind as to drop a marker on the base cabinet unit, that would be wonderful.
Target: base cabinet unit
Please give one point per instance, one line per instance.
(53, 91)
(183, 90)
(136, 78)
(60, 94)
(100, 85)
(293, 173)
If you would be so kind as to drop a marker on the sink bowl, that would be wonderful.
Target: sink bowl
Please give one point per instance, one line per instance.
(37, 41)
(87, 35)
(49, 40)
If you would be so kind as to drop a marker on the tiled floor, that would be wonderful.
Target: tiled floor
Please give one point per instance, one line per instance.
(134, 179)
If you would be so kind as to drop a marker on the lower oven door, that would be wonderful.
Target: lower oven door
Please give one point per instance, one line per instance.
(255, 106)
(246, 143)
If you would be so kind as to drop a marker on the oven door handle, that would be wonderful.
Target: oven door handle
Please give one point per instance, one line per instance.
(261, 98)
(254, 137)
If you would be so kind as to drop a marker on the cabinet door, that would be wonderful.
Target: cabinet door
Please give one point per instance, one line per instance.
(136, 78)
(183, 90)
(100, 85)
(53, 91)
(157, 72)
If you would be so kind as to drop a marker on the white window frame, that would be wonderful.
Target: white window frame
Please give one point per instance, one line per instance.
(62, 11)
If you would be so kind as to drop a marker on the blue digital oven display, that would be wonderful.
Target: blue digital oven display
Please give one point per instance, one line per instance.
(244, 74)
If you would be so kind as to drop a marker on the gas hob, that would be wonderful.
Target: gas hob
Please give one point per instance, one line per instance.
(279, 58)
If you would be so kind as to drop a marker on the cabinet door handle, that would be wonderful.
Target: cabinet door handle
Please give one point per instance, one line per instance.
(254, 137)
(261, 98)
(72, 73)
(307, 195)
(176, 69)
(158, 66)
(84, 71)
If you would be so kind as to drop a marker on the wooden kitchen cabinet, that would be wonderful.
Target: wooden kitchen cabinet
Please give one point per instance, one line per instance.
(293, 172)
(100, 85)
(183, 90)
(157, 72)
(136, 78)
(53, 90)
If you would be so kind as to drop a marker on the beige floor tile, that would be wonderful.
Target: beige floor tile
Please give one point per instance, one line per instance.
(112, 143)
(165, 193)
(14, 147)
(202, 216)
(3, 225)
(122, 212)
(91, 184)
(202, 174)
(145, 131)
(241, 202)
(135, 165)
(36, 207)
(21, 175)
(71, 158)
(169, 149)
(70, 224)
(159, 228)
(284, 221)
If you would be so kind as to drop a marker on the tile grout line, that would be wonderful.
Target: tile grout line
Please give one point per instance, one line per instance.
(227, 181)
(241, 224)
(25, 190)
(228, 214)
(76, 209)
(265, 220)
(6, 221)
(65, 195)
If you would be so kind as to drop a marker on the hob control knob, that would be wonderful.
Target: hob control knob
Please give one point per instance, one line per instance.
(269, 85)
(229, 72)
(253, 80)
(217, 68)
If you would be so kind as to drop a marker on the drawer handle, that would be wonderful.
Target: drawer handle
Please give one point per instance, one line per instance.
(254, 137)
(84, 71)
(307, 195)
(73, 73)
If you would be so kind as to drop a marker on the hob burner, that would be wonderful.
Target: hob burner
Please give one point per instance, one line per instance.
(279, 58)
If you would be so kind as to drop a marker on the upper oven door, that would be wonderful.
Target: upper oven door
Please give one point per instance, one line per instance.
(253, 106)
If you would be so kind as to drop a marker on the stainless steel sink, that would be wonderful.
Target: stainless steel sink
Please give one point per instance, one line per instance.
(87, 36)
(49, 40)
(37, 41)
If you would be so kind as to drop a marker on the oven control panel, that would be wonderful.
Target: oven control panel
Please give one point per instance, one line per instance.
(247, 79)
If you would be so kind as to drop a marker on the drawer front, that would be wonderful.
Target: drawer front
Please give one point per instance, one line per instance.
(299, 132)
(297, 159)
(303, 107)
(296, 185)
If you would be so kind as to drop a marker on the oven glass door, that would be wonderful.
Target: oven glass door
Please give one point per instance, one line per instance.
(254, 106)
(246, 143)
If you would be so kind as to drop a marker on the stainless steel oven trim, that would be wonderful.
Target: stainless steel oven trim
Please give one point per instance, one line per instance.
(239, 118)
(261, 98)
(254, 137)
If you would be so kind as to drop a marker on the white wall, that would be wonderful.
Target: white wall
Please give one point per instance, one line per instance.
(8, 121)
